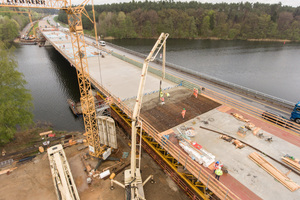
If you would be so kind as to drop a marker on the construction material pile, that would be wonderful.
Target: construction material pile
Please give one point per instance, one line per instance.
(278, 175)
(201, 155)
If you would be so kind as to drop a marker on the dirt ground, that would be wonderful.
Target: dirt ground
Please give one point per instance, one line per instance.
(33, 180)
(164, 117)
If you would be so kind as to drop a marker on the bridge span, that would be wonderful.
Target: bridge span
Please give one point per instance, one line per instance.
(165, 135)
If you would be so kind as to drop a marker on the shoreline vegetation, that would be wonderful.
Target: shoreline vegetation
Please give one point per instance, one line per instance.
(215, 38)
(195, 20)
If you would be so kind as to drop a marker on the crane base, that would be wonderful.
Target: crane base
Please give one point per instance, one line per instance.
(134, 188)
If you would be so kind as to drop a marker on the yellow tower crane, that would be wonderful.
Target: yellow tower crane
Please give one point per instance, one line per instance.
(80, 59)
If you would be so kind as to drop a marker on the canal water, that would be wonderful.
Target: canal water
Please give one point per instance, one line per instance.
(51, 81)
(271, 68)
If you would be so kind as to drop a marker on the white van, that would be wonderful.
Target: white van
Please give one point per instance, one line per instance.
(102, 43)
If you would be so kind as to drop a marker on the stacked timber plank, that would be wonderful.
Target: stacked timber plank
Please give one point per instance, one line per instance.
(278, 175)
(293, 163)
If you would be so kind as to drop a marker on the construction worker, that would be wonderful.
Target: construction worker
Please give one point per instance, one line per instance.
(217, 165)
(183, 113)
(161, 94)
(162, 100)
(218, 173)
(168, 95)
(196, 92)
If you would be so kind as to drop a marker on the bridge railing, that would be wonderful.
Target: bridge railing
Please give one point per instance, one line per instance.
(233, 86)
(216, 96)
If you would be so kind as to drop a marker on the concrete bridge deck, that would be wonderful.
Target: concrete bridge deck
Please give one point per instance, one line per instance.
(122, 80)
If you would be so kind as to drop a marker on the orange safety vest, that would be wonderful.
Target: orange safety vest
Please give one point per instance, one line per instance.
(183, 113)
(195, 92)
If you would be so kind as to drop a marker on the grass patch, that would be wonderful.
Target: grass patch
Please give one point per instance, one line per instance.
(61, 23)
(33, 28)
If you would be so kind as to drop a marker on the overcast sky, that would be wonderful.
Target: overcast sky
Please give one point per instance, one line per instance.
(294, 3)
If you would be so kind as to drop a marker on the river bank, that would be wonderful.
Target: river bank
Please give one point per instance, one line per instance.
(208, 38)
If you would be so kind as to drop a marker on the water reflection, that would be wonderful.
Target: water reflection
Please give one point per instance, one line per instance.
(268, 67)
(51, 81)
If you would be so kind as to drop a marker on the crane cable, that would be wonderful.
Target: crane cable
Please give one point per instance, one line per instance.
(98, 52)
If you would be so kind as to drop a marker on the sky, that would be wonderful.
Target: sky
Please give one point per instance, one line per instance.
(294, 3)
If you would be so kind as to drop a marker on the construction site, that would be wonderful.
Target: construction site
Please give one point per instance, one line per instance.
(150, 134)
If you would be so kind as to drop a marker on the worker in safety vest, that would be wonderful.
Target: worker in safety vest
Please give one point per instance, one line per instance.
(218, 173)
(217, 165)
(161, 94)
(162, 100)
(183, 113)
(196, 92)
(168, 95)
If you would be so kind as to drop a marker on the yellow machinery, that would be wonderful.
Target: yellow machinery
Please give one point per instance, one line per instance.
(133, 180)
(80, 59)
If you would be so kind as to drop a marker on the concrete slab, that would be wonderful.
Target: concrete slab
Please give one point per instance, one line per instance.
(119, 77)
(240, 166)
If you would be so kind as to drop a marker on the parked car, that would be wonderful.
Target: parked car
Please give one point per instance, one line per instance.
(102, 43)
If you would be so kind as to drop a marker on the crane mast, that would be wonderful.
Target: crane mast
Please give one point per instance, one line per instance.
(133, 184)
(138, 104)
(80, 61)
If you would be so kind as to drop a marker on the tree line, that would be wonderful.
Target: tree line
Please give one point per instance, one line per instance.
(16, 101)
(11, 23)
(193, 19)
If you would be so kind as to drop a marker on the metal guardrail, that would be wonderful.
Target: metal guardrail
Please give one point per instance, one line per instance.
(212, 94)
(233, 86)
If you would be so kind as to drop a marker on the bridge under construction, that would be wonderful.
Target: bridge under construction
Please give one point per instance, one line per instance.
(168, 137)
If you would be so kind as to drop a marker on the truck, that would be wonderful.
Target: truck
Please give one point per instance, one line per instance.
(295, 115)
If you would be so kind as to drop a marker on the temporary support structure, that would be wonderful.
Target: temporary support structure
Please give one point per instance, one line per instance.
(107, 131)
(64, 184)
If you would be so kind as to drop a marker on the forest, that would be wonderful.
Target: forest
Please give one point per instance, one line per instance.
(193, 19)
(11, 23)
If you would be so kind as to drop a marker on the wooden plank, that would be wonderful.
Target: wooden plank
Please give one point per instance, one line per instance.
(7, 170)
(283, 183)
(273, 171)
(45, 133)
(292, 163)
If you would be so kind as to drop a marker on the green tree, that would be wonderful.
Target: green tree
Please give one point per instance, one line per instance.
(9, 29)
(15, 100)
(205, 27)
